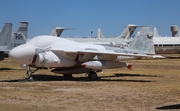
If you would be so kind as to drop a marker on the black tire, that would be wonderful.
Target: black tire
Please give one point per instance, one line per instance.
(92, 75)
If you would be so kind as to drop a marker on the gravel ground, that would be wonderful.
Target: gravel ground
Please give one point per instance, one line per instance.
(151, 85)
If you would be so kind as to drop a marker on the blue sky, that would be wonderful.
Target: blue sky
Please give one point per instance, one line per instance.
(89, 15)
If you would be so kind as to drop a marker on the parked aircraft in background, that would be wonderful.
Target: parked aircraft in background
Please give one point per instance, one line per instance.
(163, 45)
(69, 57)
(120, 41)
(9, 39)
(5, 36)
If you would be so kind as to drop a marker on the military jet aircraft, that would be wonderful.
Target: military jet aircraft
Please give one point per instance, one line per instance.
(69, 57)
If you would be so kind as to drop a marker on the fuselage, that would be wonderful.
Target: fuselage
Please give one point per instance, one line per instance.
(39, 49)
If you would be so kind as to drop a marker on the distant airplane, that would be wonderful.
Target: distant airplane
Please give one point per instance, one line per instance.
(9, 39)
(163, 45)
(120, 41)
(69, 57)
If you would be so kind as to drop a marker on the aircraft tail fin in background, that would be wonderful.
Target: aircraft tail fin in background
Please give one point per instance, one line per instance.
(19, 37)
(23, 29)
(6, 34)
(99, 34)
(156, 34)
(57, 31)
(128, 31)
(143, 41)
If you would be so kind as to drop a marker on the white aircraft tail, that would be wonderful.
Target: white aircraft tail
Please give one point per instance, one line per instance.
(57, 31)
(23, 29)
(128, 31)
(143, 41)
(6, 34)
(156, 34)
(99, 34)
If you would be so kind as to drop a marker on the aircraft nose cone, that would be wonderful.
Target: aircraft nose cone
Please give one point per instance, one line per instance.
(22, 54)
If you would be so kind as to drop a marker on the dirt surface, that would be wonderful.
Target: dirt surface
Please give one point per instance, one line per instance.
(151, 85)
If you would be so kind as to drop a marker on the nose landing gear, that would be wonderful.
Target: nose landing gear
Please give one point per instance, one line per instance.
(29, 73)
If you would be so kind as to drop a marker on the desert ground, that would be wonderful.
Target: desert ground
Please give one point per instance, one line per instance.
(151, 85)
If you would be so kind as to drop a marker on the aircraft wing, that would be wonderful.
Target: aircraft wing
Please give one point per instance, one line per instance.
(84, 55)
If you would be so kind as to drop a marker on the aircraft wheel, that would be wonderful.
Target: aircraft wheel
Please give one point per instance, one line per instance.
(29, 78)
(92, 75)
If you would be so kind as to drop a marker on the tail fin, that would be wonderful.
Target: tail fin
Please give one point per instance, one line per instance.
(143, 41)
(99, 34)
(128, 31)
(19, 37)
(6, 34)
(23, 29)
(57, 31)
(156, 34)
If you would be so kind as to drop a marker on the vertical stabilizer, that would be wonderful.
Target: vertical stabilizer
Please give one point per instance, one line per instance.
(19, 37)
(128, 31)
(156, 34)
(6, 34)
(143, 41)
(99, 34)
(23, 29)
(57, 31)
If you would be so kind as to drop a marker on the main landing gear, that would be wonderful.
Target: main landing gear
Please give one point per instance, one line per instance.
(92, 75)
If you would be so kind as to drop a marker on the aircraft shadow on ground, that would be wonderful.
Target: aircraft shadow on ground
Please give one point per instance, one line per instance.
(2, 69)
(169, 107)
(134, 75)
(42, 77)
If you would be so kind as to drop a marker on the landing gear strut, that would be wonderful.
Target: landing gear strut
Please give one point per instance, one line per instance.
(92, 75)
(29, 73)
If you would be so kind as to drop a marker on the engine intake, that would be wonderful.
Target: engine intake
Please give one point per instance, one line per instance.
(51, 60)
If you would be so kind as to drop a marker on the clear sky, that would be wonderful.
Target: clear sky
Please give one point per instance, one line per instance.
(89, 15)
